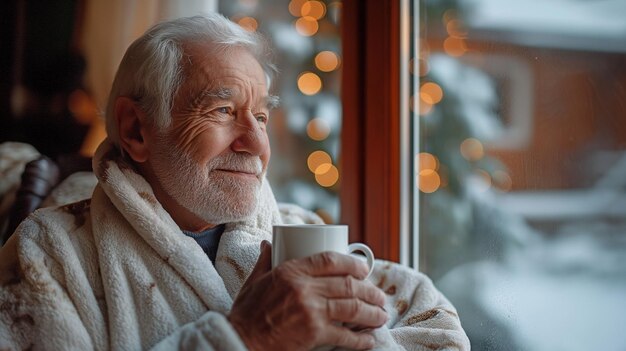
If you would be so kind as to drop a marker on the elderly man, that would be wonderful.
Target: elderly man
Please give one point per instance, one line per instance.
(171, 250)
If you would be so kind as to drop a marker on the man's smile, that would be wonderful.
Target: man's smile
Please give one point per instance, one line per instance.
(239, 173)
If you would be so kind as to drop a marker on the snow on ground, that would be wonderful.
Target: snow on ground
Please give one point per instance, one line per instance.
(565, 292)
(545, 312)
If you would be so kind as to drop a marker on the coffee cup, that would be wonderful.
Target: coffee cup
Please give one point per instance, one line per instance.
(294, 241)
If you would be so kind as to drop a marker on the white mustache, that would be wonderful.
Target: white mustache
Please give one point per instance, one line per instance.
(237, 163)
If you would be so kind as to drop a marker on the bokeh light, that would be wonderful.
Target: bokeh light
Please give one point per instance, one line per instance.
(429, 181)
(323, 168)
(82, 106)
(248, 23)
(315, 9)
(454, 46)
(426, 160)
(326, 61)
(472, 149)
(431, 93)
(295, 7)
(307, 26)
(309, 83)
(317, 158)
(327, 175)
(317, 129)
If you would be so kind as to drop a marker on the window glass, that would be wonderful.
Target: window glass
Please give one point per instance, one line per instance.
(521, 107)
(304, 130)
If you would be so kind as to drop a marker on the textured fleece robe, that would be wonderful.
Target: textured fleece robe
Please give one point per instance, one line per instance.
(116, 272)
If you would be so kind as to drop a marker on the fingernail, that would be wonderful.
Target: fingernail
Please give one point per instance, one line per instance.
(387, 316)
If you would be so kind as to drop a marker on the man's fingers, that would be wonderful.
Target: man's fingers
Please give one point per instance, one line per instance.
(334, 264)
(348, 287)
(263, 263)
(344, 337)
(355, 311)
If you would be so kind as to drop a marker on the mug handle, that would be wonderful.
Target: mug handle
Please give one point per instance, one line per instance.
(368, 254)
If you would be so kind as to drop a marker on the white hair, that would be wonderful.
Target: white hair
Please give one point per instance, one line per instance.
(152, 68)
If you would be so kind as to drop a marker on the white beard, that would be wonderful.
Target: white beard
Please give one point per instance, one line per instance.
(216, 197)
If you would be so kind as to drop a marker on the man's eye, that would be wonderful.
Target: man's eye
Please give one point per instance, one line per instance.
(261, 118)
(225, 110)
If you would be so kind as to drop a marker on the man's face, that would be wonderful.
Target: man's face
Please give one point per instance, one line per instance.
(212, 158)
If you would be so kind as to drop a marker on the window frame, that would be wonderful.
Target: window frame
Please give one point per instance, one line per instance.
(377, 190)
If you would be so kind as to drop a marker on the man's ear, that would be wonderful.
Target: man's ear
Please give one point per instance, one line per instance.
(132, 127)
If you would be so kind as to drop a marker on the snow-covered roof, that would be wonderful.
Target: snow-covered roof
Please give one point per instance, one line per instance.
(594, 25)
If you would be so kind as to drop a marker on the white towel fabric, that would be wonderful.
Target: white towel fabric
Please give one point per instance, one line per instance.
(76, 187)
(116, 272)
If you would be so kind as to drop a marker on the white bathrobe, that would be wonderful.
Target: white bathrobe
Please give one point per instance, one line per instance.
(116, 272)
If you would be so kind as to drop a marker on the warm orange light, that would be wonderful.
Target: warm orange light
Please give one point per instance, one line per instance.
(427, 161)
(472, 149)
(327, 175)
(82, 106)
(454, 46)
(295, 7)
(307, 26)
(309, 83)
(315, 9)
(502, 180)
(425, 107)
(431, 93)
(326, 61)
(323, 168)
(316, 159)
(429, 181)
(248, 23)
(318, 129)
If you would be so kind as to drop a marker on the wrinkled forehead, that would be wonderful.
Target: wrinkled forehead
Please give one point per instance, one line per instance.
(215, 65)
(212, 74)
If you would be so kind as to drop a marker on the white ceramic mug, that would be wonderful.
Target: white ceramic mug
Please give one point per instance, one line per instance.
(293, 241)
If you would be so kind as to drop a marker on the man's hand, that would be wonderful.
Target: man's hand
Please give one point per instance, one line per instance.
(301, 303)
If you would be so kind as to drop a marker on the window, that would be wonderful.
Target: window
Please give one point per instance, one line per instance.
(520, 154)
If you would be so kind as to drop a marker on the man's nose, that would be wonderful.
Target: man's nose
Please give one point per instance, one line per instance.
(251, 137)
